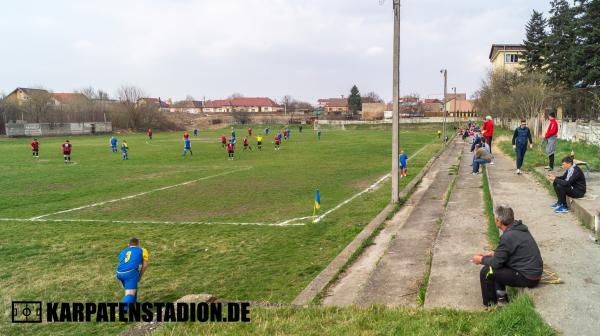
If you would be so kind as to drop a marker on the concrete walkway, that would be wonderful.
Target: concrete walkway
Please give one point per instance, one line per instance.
(463, 234)
(391, 271)
(573, 308)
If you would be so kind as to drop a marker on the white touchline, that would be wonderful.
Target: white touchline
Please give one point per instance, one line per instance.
(138, 194)
(371, 187)
(108, 221)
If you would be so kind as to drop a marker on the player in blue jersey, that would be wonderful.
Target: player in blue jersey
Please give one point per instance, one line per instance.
(113, 144)
(187, 146)
(403, 164)
(196, 132)
(133, 262)
(319, 135)
(125, 150)
(267, 131)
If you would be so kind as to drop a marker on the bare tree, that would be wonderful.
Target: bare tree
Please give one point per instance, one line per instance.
(39, 105)
(530, 96)
(235, 95)
(372, 97)
(129, 97)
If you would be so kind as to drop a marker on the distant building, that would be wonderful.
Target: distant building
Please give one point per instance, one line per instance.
(335, 106)
(188, 106)
(433, 108)
(507, 57)
(161, 105)
(21, 96)
(242, 104)
(373, 111)
(458, 106)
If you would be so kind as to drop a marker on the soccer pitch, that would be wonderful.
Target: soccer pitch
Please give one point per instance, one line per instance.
(240, 230)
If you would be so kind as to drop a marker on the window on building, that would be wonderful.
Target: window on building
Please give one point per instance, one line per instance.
(512, 58)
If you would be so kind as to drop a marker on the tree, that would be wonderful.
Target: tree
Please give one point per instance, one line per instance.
(235, 95)
(129, 97)
(535, 43)
(588, 51)
(39, 105)
(529, 97)
(372, 97)
(561, 45)
(354, 101)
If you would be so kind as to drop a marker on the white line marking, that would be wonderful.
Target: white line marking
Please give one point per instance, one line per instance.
(370, 188)
(138, 194)
(108, 221)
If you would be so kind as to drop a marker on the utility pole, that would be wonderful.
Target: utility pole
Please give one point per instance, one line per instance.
(445, 73)
(455, 99)
(396, 112)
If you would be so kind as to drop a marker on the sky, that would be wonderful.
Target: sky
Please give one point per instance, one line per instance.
(209, 49)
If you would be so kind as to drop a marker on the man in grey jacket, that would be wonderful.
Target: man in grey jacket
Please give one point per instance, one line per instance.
(516, 262)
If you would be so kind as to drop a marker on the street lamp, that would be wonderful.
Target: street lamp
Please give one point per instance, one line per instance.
(396, 112)
(445, 73)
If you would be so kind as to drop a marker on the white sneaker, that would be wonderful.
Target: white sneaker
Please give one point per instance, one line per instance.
(492, 163)
(475, 174)
(518, 171)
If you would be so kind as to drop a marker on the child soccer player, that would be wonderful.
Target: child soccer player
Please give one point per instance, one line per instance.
(246, 144)
(129, 271)
(250, 131)
(259, 142)
(319, 135)
(113, 144)
(267, 131)
(285, 133)
(230, 150)
(280, 137)
(124, 150)
(66, 149)
(277, 142)
(403, 165)
(150, 133)
(196, 132)
(439, 133)
(35, 147)
(187, 146)
(223, 141)
(233, 132)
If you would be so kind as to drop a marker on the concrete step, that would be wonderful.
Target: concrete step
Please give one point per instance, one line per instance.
(463, 234)
(399, 273)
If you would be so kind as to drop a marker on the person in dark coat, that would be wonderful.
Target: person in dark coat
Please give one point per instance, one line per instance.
(571, 183)
(516, 262)
(519, 141)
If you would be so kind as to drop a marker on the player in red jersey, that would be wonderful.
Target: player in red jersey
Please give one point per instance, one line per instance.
(66, 149)
(150, 133)
(35, 147)
(277, 142)
(246, 144)
(250, 131)
(223, 141)
(230, 150)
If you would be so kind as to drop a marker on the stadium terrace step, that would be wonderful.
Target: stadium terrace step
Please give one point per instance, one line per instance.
(391, 271)
(463, 234)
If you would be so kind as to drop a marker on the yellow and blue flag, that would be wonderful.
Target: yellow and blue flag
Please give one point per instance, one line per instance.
(317, 200)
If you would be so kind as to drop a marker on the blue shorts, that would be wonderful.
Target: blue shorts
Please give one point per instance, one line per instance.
(403, 165)
(130, 279)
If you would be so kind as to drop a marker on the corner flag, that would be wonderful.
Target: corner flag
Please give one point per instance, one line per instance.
(317, 204)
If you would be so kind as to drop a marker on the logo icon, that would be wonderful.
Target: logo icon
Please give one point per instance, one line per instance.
(27, 312)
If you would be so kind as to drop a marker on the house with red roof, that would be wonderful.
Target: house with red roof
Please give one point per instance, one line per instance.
(242, 104)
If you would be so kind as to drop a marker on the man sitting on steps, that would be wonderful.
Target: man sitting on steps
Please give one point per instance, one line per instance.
(571, 183)
(517, 261)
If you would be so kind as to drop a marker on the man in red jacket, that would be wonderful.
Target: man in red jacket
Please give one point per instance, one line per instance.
(488, 128)
(550, 138)
(66, 149)
(35, 147)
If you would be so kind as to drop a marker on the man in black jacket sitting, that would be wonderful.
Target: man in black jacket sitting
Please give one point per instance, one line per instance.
(571, 183)
(517, 261)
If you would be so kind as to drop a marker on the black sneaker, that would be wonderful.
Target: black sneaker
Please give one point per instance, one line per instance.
(503, 300)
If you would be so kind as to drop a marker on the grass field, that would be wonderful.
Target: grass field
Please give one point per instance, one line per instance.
(62, 226)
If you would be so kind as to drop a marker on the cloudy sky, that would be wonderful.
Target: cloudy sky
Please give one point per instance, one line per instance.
(212, 48)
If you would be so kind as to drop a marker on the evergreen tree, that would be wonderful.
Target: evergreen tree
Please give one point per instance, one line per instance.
(535, 43)
(354, 101)
(561, 45)
(588, 49)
